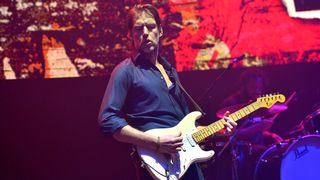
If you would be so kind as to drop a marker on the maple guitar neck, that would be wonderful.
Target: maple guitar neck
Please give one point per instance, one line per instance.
(266, 101)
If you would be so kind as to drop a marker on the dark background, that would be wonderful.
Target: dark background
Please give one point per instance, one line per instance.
(49, 128)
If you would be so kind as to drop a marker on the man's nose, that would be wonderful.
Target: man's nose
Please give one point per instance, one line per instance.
(145, 32)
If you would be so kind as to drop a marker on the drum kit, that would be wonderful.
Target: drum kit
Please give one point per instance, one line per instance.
(297, 157)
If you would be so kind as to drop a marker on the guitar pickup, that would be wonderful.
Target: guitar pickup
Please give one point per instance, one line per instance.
(190, 140)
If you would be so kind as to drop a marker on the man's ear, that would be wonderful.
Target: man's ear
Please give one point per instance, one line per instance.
(160, 31)
(129, 36)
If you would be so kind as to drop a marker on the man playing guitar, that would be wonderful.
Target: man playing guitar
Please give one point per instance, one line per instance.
(142, 94)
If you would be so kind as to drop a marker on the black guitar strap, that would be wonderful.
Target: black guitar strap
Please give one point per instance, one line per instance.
(168, 66)
(196, 106)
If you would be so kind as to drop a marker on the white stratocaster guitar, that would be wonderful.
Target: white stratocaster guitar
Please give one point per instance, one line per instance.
(163, 166)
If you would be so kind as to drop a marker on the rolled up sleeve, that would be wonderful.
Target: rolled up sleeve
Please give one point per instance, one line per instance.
(110, 118)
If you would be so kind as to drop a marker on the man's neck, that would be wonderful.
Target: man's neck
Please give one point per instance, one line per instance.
(151, 57)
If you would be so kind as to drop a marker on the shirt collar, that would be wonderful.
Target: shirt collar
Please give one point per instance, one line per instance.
(145, 63)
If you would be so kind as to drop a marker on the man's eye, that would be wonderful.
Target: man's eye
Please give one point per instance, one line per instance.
(151, 26)
(138, 28)
(148, 26)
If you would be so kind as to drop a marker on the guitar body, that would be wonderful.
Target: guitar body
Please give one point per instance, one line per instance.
(164, 166)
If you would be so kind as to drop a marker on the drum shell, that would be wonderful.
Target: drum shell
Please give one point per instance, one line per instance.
(302, 159)
(298, 159)
(268, 165)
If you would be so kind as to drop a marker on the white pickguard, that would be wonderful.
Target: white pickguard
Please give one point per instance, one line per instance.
(162, 166)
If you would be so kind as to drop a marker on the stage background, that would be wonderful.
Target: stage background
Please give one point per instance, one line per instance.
(66, 38)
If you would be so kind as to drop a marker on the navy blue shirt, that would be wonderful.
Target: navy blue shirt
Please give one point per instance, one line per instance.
(137, 94)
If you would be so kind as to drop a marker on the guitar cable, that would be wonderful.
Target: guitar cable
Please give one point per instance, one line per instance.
(143, 163)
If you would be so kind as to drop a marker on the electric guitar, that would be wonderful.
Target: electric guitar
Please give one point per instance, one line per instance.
(165, 166)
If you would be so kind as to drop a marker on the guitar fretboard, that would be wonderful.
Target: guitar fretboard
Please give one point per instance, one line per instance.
(206, 132)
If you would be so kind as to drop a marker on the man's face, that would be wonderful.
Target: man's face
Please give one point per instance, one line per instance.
(145, 33)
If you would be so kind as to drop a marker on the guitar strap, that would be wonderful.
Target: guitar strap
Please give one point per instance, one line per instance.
(168, 67)
(196, 106)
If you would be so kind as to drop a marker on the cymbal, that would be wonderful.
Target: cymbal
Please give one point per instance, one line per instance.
(276, 108)
(295, 129)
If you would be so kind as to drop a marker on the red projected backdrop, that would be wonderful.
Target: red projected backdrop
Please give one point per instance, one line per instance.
(63, 38)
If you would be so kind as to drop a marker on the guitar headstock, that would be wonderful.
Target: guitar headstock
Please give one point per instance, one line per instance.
(269, 100)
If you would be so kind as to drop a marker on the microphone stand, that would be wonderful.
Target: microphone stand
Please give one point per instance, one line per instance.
(232, 137)
(212, 84)
(206, 92)
(235, 175)
(234, 60)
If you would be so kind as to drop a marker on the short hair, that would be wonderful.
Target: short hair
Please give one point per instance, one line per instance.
(138, 9)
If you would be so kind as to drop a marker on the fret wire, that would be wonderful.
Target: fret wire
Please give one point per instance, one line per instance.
(196, 135)
(205, 133)
(208, 132)
(202, 133)
(221, 124)
(203, 137)
(234, 117)
(214, 127)
(239, 115)
(242, 113)
(218, 127)
(248, 110)
(252, 109)
(212, 130)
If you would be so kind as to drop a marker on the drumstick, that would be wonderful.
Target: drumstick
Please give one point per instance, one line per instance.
(290, 98)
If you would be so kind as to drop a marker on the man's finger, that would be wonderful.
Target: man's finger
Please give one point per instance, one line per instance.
(233, 122)
(177, 139)
(227, 113)
(228, 125)
(176, 145)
